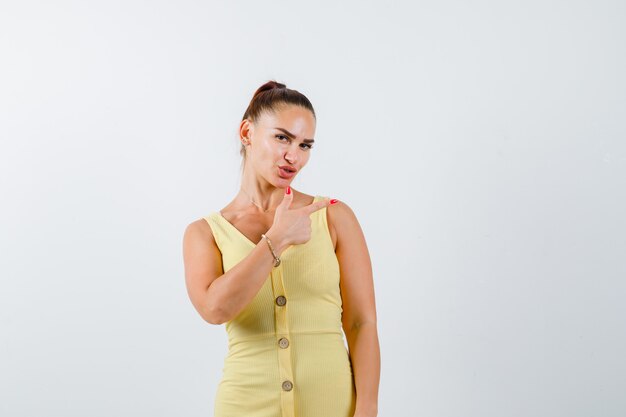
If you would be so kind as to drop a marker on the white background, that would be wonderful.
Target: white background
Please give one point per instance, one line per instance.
(481, 145)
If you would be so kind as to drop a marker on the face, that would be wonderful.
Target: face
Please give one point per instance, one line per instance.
(279, 139)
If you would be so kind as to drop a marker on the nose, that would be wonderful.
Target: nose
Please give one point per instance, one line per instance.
(290, 157)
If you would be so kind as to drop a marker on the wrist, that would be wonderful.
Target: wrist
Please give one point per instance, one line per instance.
(277, 242)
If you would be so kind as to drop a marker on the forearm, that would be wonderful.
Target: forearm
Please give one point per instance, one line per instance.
(365, 357)
(232, 291)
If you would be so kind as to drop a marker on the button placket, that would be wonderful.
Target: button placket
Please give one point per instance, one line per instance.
(283, 340)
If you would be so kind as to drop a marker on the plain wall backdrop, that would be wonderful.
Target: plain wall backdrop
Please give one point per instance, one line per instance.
(482, 146)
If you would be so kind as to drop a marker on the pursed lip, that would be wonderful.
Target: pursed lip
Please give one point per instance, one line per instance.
(288, 168)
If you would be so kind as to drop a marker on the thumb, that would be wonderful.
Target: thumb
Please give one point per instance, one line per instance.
(287, 199)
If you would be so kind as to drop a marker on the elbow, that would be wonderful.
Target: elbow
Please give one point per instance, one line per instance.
(218, 309)
(213, 310)
(212, 317)
(215, 315)
(358, 324)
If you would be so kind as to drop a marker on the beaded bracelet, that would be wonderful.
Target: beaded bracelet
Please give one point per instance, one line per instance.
(276, 258)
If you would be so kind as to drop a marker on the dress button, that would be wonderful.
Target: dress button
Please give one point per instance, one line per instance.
(283, 342)
(281, 300)
(287, 385)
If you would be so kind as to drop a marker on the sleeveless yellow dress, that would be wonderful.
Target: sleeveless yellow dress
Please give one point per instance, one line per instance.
(286, 351)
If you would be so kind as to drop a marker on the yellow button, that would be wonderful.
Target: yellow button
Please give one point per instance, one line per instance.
(281, 300)
(287, 385)
(283, 342)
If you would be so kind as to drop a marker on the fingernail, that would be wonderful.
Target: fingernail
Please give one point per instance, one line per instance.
(333, 201)
(288, 190)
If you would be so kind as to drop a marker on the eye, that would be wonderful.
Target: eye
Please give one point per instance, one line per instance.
(308, 146)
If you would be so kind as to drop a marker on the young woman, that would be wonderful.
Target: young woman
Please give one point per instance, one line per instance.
(286, 272)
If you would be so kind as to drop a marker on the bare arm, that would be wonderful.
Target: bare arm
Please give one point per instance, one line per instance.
(219, 296)
(359, 309)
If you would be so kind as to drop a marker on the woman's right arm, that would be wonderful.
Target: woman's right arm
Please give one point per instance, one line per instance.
(219, 296)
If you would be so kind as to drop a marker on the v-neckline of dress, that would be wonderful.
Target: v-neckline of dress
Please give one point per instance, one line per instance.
(244, 237)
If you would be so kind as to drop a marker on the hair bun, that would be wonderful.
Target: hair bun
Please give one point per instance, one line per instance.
(270, 85)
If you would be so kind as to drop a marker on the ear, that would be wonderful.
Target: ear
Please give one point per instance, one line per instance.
(245, 131)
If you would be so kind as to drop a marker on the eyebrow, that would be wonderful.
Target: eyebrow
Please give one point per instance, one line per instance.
(288, 133)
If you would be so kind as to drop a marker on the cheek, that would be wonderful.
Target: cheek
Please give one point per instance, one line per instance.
(266, 152)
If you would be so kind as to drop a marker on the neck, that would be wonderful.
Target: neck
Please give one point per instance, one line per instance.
(259, 195)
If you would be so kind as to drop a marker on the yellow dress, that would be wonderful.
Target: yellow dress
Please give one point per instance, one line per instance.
(286, 351)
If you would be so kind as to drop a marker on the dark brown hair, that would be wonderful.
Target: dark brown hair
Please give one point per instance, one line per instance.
(269, 98)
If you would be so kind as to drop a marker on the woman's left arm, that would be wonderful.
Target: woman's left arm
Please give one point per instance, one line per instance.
(359, 307)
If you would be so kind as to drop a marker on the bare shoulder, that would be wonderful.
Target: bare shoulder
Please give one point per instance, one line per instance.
(343, 224)
(202, 262)
(198, 239)
(198, 232)
(200, 251)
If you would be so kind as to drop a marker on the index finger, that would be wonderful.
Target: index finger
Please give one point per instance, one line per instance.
(316, 205)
